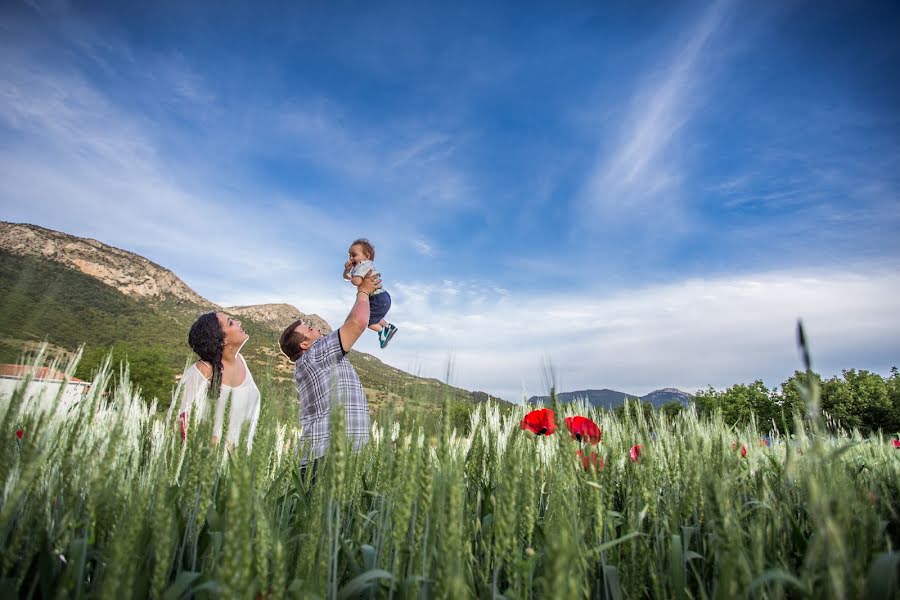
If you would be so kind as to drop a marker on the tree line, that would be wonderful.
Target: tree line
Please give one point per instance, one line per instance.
(857, 399)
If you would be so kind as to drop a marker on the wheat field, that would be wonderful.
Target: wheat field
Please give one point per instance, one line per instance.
(103, 500)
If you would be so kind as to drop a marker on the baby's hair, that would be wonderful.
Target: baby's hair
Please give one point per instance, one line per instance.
(367, 247)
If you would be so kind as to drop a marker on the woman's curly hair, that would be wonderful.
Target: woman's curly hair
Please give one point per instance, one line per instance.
(206, 338)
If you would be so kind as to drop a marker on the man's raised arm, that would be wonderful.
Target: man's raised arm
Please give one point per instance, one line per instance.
(358, 319)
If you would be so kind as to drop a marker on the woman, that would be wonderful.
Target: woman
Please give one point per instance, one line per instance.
(220, 375)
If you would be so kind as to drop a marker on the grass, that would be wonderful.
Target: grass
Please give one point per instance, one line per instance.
(103, 500)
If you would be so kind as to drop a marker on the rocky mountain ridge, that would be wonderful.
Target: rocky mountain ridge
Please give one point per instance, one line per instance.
(131, 273)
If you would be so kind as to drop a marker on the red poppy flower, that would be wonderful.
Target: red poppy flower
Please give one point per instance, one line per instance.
(583, 429)
(20, 433)
(591, 461)
(539, 422)
(635, 452)
(895, 444)
(183, 421)
(743, 451)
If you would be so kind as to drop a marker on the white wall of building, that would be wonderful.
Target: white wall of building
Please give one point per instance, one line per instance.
(41, 394)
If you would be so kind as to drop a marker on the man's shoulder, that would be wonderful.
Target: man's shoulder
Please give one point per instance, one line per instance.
(321, 347)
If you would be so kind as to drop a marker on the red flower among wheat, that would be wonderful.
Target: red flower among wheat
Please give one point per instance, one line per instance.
(540, 422)
(583, 429)
(591, 461)
(183, 422)
(20, 433)
(635, 452)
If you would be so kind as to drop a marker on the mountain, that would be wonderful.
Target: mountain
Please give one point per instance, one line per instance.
(610, 399)
(130, 273)
(71, 291)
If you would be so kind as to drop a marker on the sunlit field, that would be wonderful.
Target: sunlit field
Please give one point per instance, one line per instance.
(102, 499)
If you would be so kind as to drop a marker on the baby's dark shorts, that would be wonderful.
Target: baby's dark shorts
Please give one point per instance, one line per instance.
(379, 305)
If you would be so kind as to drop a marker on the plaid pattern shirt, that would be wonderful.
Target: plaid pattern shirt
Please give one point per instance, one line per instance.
(323, 378)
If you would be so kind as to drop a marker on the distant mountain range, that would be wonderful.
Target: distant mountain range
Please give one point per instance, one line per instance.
(610, 399)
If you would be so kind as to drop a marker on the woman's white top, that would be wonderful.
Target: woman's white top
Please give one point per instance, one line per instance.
(245, 400)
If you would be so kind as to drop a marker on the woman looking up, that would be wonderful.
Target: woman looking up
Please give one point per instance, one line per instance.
(220, 375)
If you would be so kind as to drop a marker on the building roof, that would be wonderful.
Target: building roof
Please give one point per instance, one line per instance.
(39, 373)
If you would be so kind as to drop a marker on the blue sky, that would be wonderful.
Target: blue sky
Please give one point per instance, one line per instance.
(641, 194)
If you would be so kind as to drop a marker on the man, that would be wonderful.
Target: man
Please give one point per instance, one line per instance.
(322, 374)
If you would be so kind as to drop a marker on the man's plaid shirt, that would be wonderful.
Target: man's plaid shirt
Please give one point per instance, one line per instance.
(323, 377)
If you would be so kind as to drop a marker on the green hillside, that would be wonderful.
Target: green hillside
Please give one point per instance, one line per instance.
(42, 300)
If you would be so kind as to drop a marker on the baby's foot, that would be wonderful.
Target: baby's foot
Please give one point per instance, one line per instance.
(388, 333)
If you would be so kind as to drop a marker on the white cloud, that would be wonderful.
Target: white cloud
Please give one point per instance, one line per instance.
(423, 247)
(686, 334)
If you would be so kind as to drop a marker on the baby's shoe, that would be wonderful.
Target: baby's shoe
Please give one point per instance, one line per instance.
(388, 332)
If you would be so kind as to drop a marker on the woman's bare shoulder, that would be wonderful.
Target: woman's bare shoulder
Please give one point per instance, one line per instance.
(204, 369)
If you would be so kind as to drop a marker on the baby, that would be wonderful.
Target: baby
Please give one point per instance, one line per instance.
(361, 256)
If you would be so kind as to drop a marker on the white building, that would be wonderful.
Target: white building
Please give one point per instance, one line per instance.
(42, 389)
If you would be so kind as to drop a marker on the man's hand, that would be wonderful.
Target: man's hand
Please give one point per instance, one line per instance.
(358, 319)
(370, 283)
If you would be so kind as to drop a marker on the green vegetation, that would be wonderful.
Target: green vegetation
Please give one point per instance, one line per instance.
(856, 400)
(105, 501)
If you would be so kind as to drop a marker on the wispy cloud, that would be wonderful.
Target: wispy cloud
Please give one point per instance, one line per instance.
(423, 247)
(403, 163)
(639, 177)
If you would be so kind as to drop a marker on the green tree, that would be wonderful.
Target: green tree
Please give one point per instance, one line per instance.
(707, 401)
(739, 402)
(671, 409)
(858, 399)
(893, 390)
(149, 369)
(789, 401)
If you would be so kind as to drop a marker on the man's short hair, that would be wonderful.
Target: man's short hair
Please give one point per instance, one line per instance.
(290, 341)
